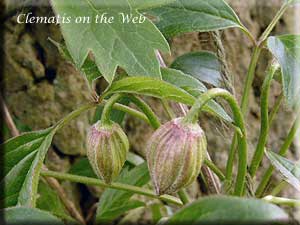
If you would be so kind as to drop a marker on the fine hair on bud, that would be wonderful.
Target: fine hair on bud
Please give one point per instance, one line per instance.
(175, 153)
(107, 147)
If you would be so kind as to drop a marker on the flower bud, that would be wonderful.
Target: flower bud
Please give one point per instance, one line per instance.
(175, 153)
(107, 147)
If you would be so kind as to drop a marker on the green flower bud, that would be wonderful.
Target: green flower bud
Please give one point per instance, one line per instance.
(107, 147)
(175, 153)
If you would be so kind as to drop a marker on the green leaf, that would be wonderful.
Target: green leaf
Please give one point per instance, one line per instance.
(195, 88)
(48, 200)
(22, 161)
(286, 49)
(293, 1)
(23, 215)
(195, 15)
(82, 167)
(228, 210)
(150, 87)
(146, 4)
(164, 90)
(203, 66)
(288, 169)
(128, 45)
(89, 69)
(114, 203)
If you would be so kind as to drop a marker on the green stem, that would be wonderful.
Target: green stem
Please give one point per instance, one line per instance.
(264, 127)
(113, 185)
(249, 82)
(105, 118)
(283, 150)
(168, 109)
(74, 114)
(184, 197)
(282, 201)
(215, 169)
(192, 116)
(244, 107)
(131, 111)
(273, 23)
(275, 108)
(142, 105)
(278, 188)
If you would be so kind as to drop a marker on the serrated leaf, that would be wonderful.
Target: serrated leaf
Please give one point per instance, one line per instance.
(203, 66)
(48, 200)
(22, 161)
(114, 203)
(288, 169)
(89, 69)
(228, 210)
(23, 215)
(195, 88)
(286, 49)
(195, 15)
(128, 45)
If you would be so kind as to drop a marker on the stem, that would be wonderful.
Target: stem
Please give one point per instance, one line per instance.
(264, 127)
(278, 188)
(105, 118)
(168, 109)
(142, 105)
(113, 185)
(249, 81)
(283, 150)
(244, 108)
(131, 111)
(74, 114)
(273, 23)
(215, 169)
(192, 116)
(184, 197)
(282, 201)
(276, 107)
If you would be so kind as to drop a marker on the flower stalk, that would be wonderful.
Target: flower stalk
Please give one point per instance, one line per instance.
(192, 116)
(113, 185)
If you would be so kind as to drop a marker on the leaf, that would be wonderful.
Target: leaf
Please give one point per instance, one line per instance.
(195, 15)
(128, 45)
(151, 87)
(182, 80)
(286, 49)
(203, 66)
(288, 169)
(228, 210)
(89, 69)
(23, 158)
(114, 203)
(195, 88)
(146, 4)
(82, 167)
(48, 200)
(164, 90)
(23, 215)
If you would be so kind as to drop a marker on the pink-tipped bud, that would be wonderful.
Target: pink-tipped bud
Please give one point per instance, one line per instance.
(175, 153)
(107, 147)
